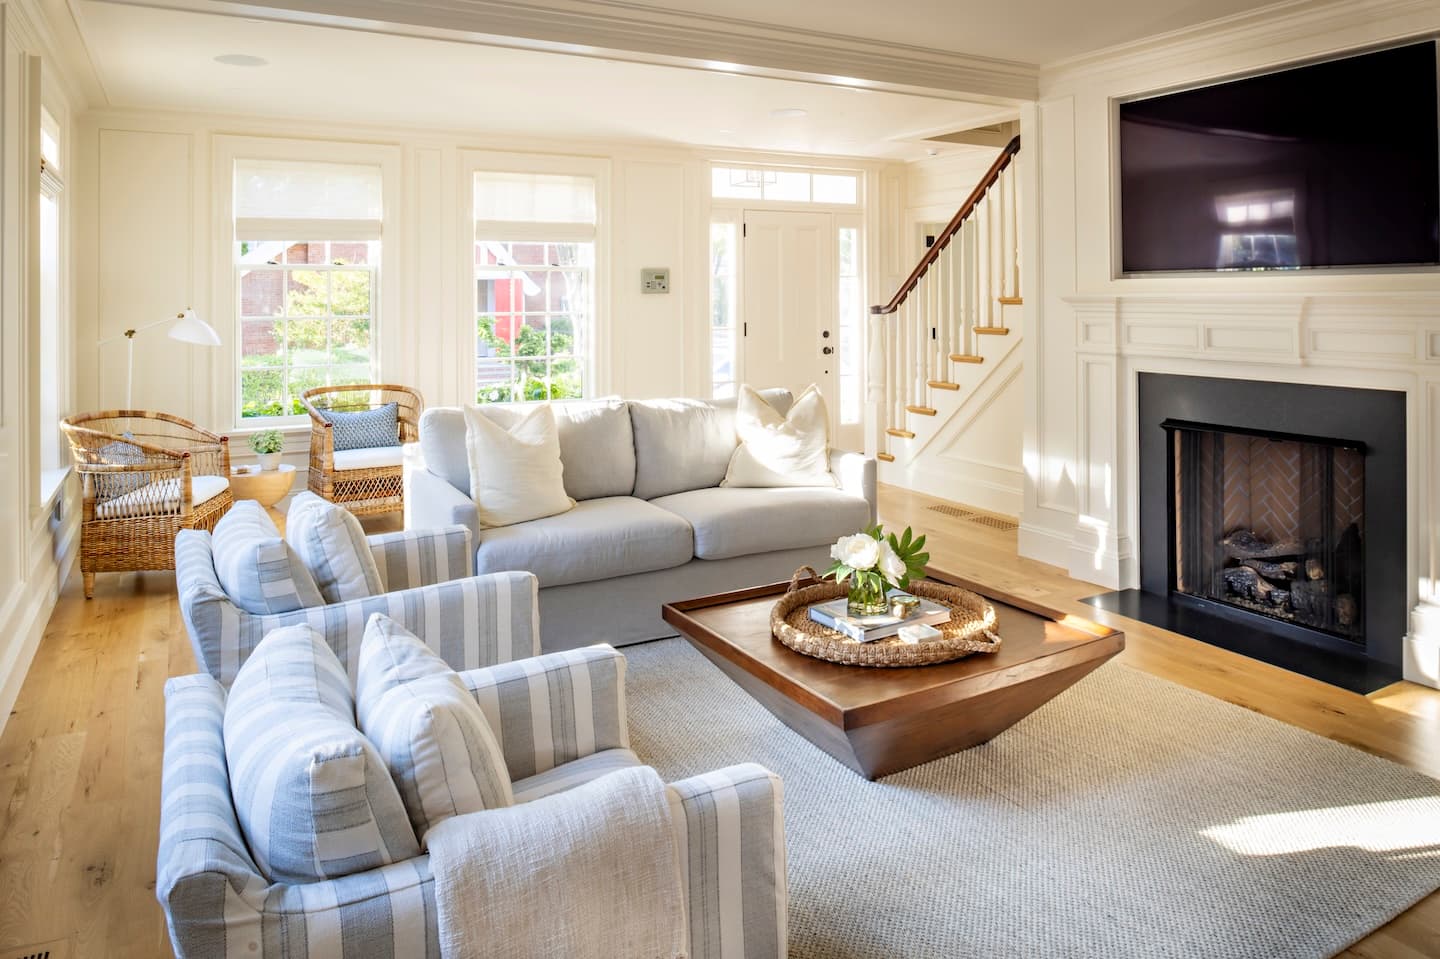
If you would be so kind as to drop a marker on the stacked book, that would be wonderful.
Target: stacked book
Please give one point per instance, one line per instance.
(866, 629)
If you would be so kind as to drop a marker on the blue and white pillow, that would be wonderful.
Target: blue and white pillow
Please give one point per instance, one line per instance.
(366, 429)
(312, 795)
(257, 569)
(331, 543)
(429, 729)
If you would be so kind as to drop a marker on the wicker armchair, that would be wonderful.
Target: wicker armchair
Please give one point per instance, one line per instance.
(367, 489)
(145, 477)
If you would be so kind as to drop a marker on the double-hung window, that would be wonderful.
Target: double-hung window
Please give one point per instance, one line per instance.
(52, 187)
(307, 256)
(534, 285)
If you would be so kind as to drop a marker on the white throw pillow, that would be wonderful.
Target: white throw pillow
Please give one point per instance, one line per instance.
(515, 474)
(428, 728)
(775, 450)
(331, 543)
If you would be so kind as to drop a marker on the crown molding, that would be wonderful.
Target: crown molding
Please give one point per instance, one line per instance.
(1320, 27)
(617, 29)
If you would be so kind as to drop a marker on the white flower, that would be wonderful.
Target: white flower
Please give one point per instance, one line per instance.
(892, 567)
(858, 551)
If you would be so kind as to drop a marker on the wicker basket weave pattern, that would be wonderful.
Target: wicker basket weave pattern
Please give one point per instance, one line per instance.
(363, 491)
(971, 628)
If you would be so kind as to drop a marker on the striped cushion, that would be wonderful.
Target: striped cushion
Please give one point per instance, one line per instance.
(256, 568)
(428, 728)
(312, 795)
(331, 543)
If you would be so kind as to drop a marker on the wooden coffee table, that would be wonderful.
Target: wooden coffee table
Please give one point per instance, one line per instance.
(880, 721)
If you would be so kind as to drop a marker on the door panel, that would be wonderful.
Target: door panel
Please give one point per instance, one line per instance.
(789, 276)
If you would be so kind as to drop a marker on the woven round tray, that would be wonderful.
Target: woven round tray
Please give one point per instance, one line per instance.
(971, 628)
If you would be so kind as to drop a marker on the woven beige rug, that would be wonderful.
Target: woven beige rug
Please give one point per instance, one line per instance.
(1130, 817)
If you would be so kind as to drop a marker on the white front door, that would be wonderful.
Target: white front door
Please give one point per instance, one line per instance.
(790, 333)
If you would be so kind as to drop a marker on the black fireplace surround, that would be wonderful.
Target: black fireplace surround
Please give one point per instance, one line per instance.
(1328, 597)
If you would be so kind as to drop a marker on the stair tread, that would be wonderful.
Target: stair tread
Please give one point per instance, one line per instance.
(966, 358)
(943, 385)
(903, 434)
(922, 410)
(993, 330)
(885, 456)
(1010, 300)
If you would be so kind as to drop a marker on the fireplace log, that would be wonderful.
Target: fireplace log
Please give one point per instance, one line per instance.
(1347, 611)
(1276, 571)
(1248, 584)
(1243, 544)
(1313, 569)
(1311, 599)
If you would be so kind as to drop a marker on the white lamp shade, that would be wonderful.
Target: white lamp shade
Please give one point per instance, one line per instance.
(189, 328)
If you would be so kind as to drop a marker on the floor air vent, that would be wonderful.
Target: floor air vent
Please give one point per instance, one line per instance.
(1003, 523)
(57, 949)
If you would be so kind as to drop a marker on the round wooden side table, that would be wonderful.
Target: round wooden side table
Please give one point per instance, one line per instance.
(268, 487)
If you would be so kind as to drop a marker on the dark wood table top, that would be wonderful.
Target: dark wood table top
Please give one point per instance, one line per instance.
(1035, 640)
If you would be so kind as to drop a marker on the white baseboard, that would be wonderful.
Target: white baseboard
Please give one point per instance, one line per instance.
(1044, 545)
(1422, 645)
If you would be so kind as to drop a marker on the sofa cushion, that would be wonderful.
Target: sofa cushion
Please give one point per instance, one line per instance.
(596, 446)
(370, 457)
(312, 795)
(161, 497)
(515, 471)
(428, 728)
(781, 450)
(598, 539)
(331, 543)
(686, 444)
(364, 429)
(574, 773)
(741, 522)
(257, 569)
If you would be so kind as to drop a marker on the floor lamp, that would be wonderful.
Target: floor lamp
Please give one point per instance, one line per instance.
(185, 327)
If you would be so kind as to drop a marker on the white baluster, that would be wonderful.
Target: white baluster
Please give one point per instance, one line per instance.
(922, 342)
(941, 318)
(1014, 225)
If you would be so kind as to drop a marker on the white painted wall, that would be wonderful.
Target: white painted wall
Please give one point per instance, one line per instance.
(38, 528)
(154, 236)
(1092, 332)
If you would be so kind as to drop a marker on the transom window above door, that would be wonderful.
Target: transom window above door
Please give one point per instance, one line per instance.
(780, 185)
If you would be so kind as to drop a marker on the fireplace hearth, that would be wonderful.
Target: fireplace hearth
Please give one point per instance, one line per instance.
(1272, 523)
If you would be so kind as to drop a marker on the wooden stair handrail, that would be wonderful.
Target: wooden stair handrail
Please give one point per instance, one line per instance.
(951, 228)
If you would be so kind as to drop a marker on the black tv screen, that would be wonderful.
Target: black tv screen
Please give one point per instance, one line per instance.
(1335, 164)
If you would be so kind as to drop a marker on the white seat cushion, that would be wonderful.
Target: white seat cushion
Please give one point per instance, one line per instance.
(598, 539)
(370, 458)
(742, 522)
(161, 497)
(575, 773)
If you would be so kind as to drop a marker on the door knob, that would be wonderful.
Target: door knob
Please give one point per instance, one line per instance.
(828, 350)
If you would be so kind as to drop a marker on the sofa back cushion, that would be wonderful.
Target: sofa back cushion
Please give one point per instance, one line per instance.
(428, 728)
(312, 795)
(257, 569)
(331, 543)
(596, 445)
(682, 445)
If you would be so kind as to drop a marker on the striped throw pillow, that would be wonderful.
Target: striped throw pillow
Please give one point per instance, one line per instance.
(258, 571)
(312, 795)
(331, 543)
(428, 727)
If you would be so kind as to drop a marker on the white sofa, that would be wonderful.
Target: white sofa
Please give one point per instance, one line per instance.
(651, 523)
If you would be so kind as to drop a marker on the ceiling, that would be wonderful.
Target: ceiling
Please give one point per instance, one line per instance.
(1038, 32)
(165, 58)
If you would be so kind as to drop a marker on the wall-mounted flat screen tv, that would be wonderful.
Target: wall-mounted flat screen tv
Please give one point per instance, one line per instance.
(1334, 164)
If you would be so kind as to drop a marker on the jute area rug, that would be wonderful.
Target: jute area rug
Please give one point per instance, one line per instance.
(1129, 817)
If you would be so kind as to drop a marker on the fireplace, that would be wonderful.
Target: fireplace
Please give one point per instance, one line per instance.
(1272, 523)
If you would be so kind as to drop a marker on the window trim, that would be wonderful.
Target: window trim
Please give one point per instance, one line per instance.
(596, 368)
(755, 203)
(224, 398)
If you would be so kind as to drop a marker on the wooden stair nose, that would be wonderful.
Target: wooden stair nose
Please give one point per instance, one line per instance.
(993, 330)
(942, 385)
(1010, 301)
(921, 410)
(966, 358)
(902, 434)
(885, 456)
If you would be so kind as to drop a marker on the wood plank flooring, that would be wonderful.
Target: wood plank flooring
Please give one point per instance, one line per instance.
(80, 756)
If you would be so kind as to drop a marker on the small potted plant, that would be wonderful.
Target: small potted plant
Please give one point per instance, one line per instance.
(874, 563)
(267, 445)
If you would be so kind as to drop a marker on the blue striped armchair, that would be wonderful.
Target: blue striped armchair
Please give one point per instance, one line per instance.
(560, 720)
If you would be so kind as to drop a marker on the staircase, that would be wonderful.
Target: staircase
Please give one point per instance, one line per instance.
(948, 336)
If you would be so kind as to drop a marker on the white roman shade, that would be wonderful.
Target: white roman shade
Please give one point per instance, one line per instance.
(295, 200)
(550, 206)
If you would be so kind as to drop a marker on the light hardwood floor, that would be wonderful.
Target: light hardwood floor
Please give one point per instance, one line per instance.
(80, 756)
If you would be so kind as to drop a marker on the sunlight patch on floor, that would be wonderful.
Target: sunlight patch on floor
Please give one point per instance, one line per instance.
(1409, 826)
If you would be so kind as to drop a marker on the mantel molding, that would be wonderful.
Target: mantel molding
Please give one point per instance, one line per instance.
(654, 34)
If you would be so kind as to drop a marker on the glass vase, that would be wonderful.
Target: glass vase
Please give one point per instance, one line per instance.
(867, 596)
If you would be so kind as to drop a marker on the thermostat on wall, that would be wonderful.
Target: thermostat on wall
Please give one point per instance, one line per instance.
(655, 279)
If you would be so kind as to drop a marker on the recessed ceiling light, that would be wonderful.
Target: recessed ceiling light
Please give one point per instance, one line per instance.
(789, 113)
(241, 60)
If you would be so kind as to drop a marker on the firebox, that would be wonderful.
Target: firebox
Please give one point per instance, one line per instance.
(1273, 524)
